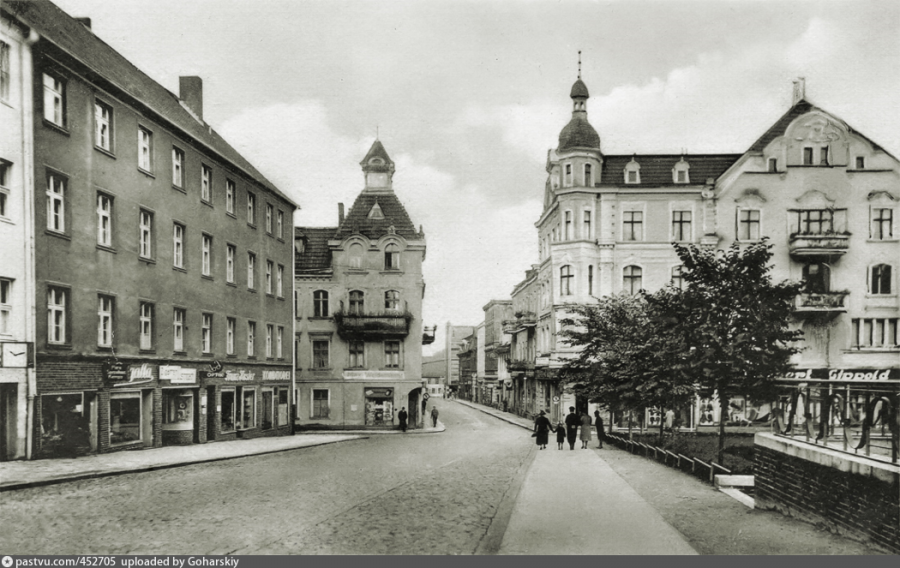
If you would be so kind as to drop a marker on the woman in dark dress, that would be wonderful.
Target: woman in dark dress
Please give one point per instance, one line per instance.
(542, 426)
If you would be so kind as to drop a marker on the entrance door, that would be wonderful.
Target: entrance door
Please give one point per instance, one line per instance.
(8, 404)
(212, 414)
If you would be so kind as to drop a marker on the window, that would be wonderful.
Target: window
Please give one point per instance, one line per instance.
(146, 325)
(102, 125)
(319, 403)
(207, 255)
(860, 163)
(279, 281)
(4, 71)
(269, 267)
(231, 251)
(357, 303)
(565, 280)
(279, 343)
(227, 417)
(251, 269)
(882, 224)
(146, 228)
(5, 171)
(56, 315)
(632, 177)
(269, 213)
(280, 224)
(823, 156)
(681, 226)
(677, 277)
(251, 209)
(748, 224)
(392, 354)
(588, 175)
(568, 226)
(816, 221)
(320, 304)
(251, 338)
(320, 354)
(633, 226)
(206, 183)
(104, 220)
(392, 257)
(5, 305)
(586, 217)
(392, 300)
(145, 149)
(880, 281)
(681, 176)
(177, 167)
(270, 340)
(772, 165)
(355, 252)
(568, 178)
(178, 329)
(817, 278)
(632, 279)
(105, 321)
(229, 196)
(590, 279)
(124, 418)
(178, 245)
(54, 100)
(874, 332)
(56, 204)
(807, 156)
(229, 336)
(206, 333)
(248, 408)
(357, 354)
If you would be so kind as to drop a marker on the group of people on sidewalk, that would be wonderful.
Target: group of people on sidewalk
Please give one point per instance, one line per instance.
(568, 432)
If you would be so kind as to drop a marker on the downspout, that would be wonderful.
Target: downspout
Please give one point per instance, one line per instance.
(29, 196)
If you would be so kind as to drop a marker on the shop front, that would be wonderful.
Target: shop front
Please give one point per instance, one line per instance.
(245, 402)
(379, 406)
(182, 418)
(131, 391)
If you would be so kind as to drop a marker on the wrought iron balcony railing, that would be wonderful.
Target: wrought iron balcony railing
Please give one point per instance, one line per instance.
(373, 326)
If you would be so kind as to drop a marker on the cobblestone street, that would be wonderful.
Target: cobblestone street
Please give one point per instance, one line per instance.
(382, 495)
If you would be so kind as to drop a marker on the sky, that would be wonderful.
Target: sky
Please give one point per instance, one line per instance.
(468, 97)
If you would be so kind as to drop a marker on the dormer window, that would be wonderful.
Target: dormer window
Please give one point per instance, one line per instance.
(681, 176)
(680, 171)
(632, 172)
(823, 156)
(860, 163)
(811, 153)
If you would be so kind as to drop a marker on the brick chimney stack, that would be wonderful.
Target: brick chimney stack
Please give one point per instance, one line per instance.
(340, 214)
(190, 90)
(86, 22)
(799, 90)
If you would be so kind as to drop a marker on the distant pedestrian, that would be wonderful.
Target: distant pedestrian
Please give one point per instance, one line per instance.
(542, 427)
(434, 415)
(585, 430)
(560, 434)
(572, 423)
(402, 417)
(424, 403)
(670, 420)
(598, 421)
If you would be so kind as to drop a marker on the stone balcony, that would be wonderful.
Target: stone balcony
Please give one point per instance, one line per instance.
(820, 303)
(830, 245)
(510, 326)
(373, 326)
(428, 335)
(527, 319)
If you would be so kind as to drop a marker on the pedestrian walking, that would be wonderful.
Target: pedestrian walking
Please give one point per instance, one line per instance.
(434, 415)
(572, 423)
(542, 427)
(585, 430)
(598, 421)
(402, 417)
(560, 434)
(424, 403)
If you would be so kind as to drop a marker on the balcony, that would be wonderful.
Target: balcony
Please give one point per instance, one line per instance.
(373, 326)
(803, 245)
(820, 303)
(519, 365)
(428, 335)
(510, 326)
(526, 319)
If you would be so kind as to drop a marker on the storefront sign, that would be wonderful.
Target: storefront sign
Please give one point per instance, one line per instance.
(177, 375)
(844, 375)
(115, 371)
(212, 374)
(276, 375)
(379, 393)
(239, 376)
(144, 373)
(374, 375)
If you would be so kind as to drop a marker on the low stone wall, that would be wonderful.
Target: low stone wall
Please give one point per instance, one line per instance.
(850, 495)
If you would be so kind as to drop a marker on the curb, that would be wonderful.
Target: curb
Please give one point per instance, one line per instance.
(144, 469)
(441, 428)
(499, 417)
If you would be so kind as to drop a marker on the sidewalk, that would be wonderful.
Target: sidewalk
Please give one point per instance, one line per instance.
(572, 502)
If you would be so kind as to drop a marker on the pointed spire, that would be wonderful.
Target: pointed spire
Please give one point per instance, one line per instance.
(579, 64)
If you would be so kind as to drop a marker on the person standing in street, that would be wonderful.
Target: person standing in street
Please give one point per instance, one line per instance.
(402, 417)
(434, 416)
(585, 430)
(560, 434)
(542, 429)
(598, 421)
(572, 423)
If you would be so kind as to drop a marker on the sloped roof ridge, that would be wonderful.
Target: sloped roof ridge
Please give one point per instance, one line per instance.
(395, 215)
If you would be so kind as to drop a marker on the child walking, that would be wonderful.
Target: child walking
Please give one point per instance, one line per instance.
(560, 434)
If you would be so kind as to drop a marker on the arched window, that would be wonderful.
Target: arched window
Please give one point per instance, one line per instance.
(392, 257)
(677, 277)
(320, 304)
(392, 300)
(356, 303)
(355, 253)
(565, 280)
(588, 176)
(880, 282)
(567, 180)
(632, 279)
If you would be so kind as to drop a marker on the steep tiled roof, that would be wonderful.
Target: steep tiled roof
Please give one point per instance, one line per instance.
(656, 170)
(60, 29)
(377, 151)
(316, 256)
(357, 219)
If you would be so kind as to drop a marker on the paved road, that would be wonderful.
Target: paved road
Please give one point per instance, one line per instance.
(382, 495)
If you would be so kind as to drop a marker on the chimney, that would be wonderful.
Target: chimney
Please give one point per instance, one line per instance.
(799, 90)
(340, 214)
(86, 22)
(190, 90)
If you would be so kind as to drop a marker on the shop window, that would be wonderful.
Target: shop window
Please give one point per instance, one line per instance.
(65, 424)
(227, 419)
(319, 403)
(320, 304)
(248, 409)
(124, 418)
(283, 405)
(880, 280)
(178, 408)
(357, 354)
(268, 410)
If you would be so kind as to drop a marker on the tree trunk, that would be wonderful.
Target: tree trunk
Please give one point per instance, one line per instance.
(662, 425)
(629, 426)
(723, 416)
